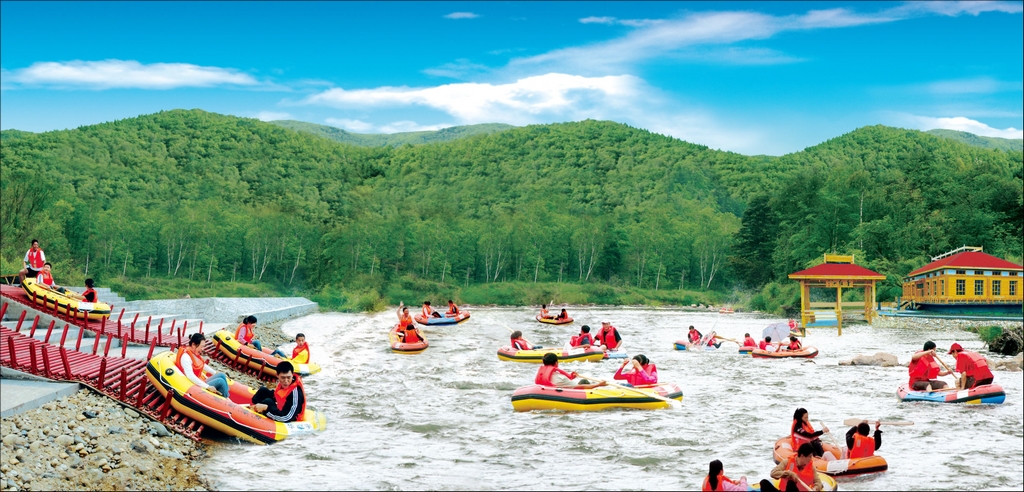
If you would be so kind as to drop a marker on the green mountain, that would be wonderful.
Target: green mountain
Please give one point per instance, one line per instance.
(12, 134)
(980, 141)
(392, 139)
(598, 205)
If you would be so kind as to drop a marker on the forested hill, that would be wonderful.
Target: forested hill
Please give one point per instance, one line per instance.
(392, 139)
(191, 194)
(980, 141)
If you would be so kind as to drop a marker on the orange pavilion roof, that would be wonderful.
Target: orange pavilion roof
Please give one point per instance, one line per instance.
(968, 259)
(837, 270)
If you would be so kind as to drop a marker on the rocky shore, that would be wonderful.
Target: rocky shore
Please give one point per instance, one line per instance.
(87, 441)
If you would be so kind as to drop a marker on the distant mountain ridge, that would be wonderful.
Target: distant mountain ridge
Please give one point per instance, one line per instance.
(392, 139)
(980, 141)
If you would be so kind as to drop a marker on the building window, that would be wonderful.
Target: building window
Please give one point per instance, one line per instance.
(997, 287)
(942, 283)
(961, 287)
(961, 272)
(1013, 287)
(979, 287)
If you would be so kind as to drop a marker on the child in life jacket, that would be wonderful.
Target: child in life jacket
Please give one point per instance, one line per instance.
(858, 444)
(794, 344)
(300, 354)
(584, 339)
(550, 374)
(717, 481)
(520, 343)
(641, 371)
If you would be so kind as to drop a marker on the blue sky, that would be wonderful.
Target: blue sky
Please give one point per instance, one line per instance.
(754, 78)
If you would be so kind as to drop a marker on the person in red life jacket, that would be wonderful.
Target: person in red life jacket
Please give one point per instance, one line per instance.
(300, 354)
(802, 432)
(923, 370)
(712, 340)
(286, 402)
(584, 339)
(641, 371)
(404, 318)
(693, 335)
(45, 279)
(794, 344)
(410, 334)
(429, 312)
(453, 310)
(717, 481)
(749, 342)
(608, 337)
(768, 346)
(790, 472)
(33, 262)
(550, 374)
(544, 312)
(858, 442)
(562, 315)
(246, 333)
(191, 364)
(972, 366)
(89, 295)
(520, 343)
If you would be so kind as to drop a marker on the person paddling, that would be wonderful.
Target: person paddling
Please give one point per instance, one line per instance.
(793, 470)
(859, 444)
(609, 337)
(923, 370)
(802, 432)
(972, 366)
(551, 375)
(641, 371)
(717, 481)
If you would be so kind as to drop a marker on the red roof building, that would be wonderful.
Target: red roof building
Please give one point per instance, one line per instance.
(969, 260)
(965, 278)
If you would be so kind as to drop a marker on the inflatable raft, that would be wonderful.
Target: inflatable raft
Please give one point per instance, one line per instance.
(536, 397)
(554, 321)
(535, 356)
(828, 484)
(746, 350)
(615, 354)
(804, 353)
(681, 345)
(228, 415)
(446, 320)
(987, 394)
(400, 347)
(836, 468)
(70, 304)
(262, 361)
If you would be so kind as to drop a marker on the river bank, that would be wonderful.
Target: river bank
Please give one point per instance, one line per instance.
(87, 441)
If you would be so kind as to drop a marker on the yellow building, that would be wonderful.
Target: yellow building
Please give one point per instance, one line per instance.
(965, 278)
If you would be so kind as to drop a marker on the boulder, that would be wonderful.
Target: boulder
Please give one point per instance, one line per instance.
(879, 359)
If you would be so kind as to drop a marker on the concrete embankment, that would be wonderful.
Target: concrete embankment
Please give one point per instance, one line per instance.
(228, 309)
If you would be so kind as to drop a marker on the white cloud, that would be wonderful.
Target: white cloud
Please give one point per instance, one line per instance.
(979, 85)
(459, 69)
(624, 22)
(351, 125)
(410, 126)
(127, 74)
(461, 15)
(272, 116)
(954, 9)
(519, 102)
(964, 124)
(598, 20)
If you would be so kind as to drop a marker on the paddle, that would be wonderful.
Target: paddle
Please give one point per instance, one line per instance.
(853, 421)
(830, 436)
(671, 402)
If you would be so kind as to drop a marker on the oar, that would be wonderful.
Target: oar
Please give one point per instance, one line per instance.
(956, 378)
(853, 421)
(830, 436)
(656, 396)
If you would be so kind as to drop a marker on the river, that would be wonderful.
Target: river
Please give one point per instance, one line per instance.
(443, 419)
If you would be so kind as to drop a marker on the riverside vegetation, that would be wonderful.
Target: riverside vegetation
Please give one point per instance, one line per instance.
(589, 212)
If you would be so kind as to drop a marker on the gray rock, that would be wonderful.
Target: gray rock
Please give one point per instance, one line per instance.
(131, 413)
(114, 429)
(143, 446)
(65, 441)
(158, 429)
(89, 414)
(879, 359)
(9, 439)
(171, 454)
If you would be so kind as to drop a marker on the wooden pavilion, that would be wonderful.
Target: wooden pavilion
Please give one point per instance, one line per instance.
(838, 272)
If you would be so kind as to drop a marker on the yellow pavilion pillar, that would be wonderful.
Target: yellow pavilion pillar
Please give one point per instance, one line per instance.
(805, 302)
(839, 309)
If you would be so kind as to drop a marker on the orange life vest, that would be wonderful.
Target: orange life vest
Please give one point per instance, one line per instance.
(410, 335)
(428, 311)
(453, 309)
(794, 345)
(249, 334)
(706, 487)
(581, 339)
(301, 350)
(608, 338)
(197, 362)
(797, 440)
(806, 475)
(973, 364)
(281, 396)
(404, 320)
(45, 278)
(35, 259)
(520, 344)
(89, 295)
(863, 446)
(544, 375)
(544, 313)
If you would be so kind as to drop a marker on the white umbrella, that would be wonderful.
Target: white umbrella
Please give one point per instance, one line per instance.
(778, 332)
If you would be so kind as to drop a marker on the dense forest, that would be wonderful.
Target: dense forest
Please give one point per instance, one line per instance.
(392, 139)
(598, 206)
(980, 141)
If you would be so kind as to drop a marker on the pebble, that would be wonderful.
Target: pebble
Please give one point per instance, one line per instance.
(64, 440)
(131, 413)
(89, 414)
(114, 429)
(158, 429)
(171, 454)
